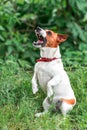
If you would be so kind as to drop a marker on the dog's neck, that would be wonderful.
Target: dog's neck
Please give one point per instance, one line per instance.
(50, 52)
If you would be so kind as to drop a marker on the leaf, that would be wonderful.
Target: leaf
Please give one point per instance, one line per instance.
(1, 28)
(8, 42)
(85, 18)
(28, 16)
(72, 3)
(77, 31)
(27, 1)
(83, 46)
(74, 28)
(24, 64)
(81, 5)
(20, 1)
(82, 36)
(10, 50)
(2, 38)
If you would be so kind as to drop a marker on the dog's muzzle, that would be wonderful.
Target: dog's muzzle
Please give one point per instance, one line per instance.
(41, 35)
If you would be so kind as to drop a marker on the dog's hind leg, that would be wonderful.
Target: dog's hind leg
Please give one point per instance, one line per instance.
(46, 106)
(65, 108)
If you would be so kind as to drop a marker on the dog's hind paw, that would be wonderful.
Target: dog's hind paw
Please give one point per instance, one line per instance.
(39, 114)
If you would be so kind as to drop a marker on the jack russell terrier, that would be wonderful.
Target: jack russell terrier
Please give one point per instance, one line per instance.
(50, 74)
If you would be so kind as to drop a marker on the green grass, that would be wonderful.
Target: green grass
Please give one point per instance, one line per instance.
(18, 105)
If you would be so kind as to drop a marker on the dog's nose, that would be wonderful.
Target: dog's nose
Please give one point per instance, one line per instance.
(38, 28)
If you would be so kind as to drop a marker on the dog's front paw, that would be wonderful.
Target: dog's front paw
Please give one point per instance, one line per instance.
(35, 90)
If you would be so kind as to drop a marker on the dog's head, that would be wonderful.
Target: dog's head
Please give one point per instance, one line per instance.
(48, 38)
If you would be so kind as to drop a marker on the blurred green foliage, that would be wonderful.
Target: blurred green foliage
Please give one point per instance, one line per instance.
(19, 18)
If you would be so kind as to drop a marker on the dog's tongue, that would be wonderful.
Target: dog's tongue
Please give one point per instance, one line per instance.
(40, 41)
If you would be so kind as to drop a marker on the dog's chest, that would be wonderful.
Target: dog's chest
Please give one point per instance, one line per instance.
(44, 74)
(46, 71)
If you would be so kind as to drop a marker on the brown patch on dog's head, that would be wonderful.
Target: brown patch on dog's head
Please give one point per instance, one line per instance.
(54, 39)
(48, 38)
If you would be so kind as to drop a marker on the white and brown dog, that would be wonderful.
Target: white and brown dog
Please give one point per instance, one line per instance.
(50, 74)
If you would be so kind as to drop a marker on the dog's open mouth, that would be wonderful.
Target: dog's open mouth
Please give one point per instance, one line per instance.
(41, 39)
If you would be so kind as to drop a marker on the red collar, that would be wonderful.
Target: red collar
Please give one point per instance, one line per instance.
(44, 59)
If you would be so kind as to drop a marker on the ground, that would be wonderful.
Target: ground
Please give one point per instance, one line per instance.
(18, 105)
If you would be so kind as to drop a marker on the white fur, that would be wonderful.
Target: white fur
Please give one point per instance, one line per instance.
(53, 80)
(42, 32)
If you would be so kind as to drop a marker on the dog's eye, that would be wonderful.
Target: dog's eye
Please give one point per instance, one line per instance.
(49, 32)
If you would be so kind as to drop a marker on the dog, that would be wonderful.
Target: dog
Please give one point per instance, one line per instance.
(50, 74)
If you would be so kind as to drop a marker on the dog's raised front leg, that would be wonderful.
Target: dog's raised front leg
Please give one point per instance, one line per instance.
(51, 84)
(34, 83)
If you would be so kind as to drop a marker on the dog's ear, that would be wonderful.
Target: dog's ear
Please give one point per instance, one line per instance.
(61, 37)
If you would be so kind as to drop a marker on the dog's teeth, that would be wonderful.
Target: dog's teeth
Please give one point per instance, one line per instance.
(34, 42)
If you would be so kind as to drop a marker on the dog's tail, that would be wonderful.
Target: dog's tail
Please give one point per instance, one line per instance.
(60, 101)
